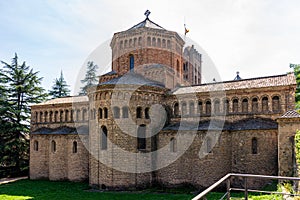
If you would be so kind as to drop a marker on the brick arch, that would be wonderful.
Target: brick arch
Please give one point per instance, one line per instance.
(176, 110)
(153, 41)
(163, 43)
(84, 114)
(265, 101)
(276, 103)
(245, 104)
(130, 43)
(148, 41)
(191, 106)
(226, 105)
(46, 116)
(235, 104)
(217, 105)
(207, 104)
(158, 42)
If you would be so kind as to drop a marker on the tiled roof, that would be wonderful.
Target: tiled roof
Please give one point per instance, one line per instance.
(290, 114)
(147, 23)
(110, 73)
(245, 124)
(74, 99)
(132, 79)
(63, 130)
(261, 82)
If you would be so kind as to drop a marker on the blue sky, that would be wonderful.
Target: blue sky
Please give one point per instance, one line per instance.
(255, 37)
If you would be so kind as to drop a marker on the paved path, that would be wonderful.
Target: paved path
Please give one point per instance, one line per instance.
(9, 180)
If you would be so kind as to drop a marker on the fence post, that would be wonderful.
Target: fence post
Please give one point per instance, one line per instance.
(246, 188)
(228, 188)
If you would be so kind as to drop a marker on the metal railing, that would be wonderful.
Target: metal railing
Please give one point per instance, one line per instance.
(246, 190)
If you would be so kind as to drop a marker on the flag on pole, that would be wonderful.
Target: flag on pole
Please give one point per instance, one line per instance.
(186, 30)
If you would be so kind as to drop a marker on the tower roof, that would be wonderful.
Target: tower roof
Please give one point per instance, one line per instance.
(147, 23)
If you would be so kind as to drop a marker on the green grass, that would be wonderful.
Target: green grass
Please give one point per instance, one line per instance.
(29, 189)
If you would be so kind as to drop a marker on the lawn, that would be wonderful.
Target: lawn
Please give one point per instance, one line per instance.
(29, 189)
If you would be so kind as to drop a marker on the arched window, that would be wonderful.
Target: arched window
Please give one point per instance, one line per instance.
(158, 42)
(130, 43)
(177, 65)
(141, 137)
(168, 44)
(36, 145)
(61, 114)
(192, 108)
(226, 106)
(125, 112)
(105, 110)
(138, 112)
(66, 115)
(56, 116)
(153, 42)
(140, 41)
(131, 62)
(36, 117)
(53, 146)
(84, 114)
(176, 109)
(208, 145)
(217, 106)
(74, 149)
(235, 106)
(116, 111)
(245, 105)
(41, 116)
(254, 146)
(164, 43)
(173, 145)
(183, 108)
(147, 114)
(46, 116)
(275, 104)
(208, 107)
(103, 138)
(50, 116)
(200, 107)
(125, 44)
(265, 104)
(148, 41)
(255, 105)
(100, 112)
(121, 45)
(134, 42)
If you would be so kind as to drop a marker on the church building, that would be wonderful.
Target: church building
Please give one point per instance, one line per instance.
(152, 121)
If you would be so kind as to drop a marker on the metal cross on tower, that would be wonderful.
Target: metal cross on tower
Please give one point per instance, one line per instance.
(147, 13)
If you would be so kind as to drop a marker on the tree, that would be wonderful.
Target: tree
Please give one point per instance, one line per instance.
(90, 77)
(297, 75)
(20, 88)
(60, 87)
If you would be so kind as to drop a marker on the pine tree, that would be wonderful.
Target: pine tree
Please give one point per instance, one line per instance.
(20, 88)
(90, 77)
(60, 87)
